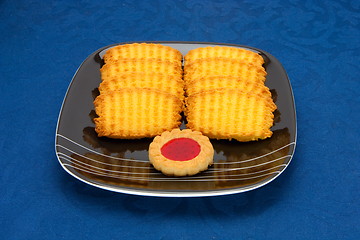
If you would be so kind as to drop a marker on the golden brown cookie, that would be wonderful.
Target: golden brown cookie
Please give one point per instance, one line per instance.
(114, 68)
(181, 152)
(168, 83)
(131, 113)
(143, 50)
(230, 114)
(225, 52)
(224, 67)
(213, 82)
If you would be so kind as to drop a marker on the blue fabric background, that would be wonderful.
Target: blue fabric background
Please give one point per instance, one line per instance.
(317, 197)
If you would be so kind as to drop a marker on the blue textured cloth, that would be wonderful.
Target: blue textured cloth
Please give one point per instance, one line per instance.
(317, 197)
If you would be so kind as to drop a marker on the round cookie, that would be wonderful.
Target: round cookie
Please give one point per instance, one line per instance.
(181, 152)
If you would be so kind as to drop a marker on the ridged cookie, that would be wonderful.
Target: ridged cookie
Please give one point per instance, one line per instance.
(224, 51)
(230, 114)
(143, 50)
(136, 113)
(114, 68)
(213, 82)
(225, 67)
(168, 83)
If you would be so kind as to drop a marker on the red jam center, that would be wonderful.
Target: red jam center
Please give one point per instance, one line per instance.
(180, 149)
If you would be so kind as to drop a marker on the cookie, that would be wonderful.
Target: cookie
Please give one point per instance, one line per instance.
(230, 114)
(132, 113)
(117, 67)
(143, 50)
(172, 84)
(213, 82)
(225, 52)
(224, 67)
(181, 152)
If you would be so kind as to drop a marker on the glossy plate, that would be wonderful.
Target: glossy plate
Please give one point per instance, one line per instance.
(123, 165)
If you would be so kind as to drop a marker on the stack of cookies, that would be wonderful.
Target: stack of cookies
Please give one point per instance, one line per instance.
(141, 93)
(226, 95)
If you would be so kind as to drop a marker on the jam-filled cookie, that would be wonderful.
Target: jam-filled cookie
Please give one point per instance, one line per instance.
(181, 152)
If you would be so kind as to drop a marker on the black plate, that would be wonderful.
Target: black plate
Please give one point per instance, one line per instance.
(123, 165)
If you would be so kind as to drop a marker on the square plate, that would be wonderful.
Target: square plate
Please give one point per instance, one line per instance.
(123, 165)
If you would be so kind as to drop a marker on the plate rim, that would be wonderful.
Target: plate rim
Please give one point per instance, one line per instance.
(169, 193)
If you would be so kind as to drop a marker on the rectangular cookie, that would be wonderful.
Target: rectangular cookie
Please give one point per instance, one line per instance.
(131, 113)
(225, 52)
(172, 84)
(230, 114)
(117, 67)
(213, 82)
(225, 67)
(143, 50)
